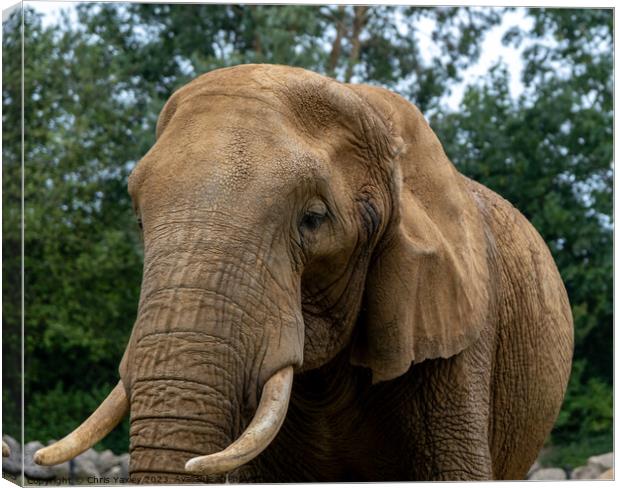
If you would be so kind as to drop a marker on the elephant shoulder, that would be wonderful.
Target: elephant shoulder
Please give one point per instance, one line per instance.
(531, 293)
(519, 251)
(534, 334)
(509, 231)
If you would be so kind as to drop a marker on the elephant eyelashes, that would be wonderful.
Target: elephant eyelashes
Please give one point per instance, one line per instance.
(313, 217)
(311, 221)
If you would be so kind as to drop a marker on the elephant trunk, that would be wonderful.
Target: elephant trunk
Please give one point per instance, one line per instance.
(195, 367)
(171, 422)
(186, 383)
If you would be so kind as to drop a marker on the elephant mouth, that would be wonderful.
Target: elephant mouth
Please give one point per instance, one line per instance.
(263, 428)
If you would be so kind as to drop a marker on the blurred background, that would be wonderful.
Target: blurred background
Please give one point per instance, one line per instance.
(520, 98)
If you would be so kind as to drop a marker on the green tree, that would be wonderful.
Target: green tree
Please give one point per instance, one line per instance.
(165, 45)
(11, 227)
(82, 257)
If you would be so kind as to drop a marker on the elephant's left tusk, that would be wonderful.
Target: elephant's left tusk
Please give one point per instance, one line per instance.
(6, 452)
(261, 431)
(96, 427)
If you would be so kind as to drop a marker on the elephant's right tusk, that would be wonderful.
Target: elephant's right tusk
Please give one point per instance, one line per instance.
(261, 431)
(6, 452)
(93, 429)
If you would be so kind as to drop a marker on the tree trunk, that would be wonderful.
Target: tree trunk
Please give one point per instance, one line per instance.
(341, 31)
(359, 21)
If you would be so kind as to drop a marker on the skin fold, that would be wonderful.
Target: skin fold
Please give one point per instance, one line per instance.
(291, 220)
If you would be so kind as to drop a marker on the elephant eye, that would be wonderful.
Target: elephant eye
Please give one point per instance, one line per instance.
(139, 220)
(313, 217)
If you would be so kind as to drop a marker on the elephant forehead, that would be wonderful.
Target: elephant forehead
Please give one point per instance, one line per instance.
(279, 98)
(210, 162)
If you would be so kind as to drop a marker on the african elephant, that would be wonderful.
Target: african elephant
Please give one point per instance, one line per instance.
(323, 290)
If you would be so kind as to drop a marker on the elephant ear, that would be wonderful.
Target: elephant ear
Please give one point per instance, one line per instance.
(426, 291)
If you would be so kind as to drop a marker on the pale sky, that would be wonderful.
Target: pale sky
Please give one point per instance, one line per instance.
(493, 51)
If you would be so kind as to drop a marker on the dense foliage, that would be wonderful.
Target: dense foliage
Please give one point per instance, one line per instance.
(94, 85)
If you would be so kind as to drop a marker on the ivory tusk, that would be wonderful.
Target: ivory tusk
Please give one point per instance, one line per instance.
(6, 452)
(262, 430)
(93, 429)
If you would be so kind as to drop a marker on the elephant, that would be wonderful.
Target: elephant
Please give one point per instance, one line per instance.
(326, 298)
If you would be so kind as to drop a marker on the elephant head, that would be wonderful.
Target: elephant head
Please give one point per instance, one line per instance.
(287, 218)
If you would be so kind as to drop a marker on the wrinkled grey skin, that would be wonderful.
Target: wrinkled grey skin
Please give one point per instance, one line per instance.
(292, 220)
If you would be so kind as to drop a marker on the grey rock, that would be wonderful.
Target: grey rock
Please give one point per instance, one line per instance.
(84, 469)
(587, 472)
(13, 463)
(36, 472)
(124, 464)
(549, 474)
(604, 461)
(32, 470)
(535, 467)
(61, 471)
(114, 473)
(33, 446)
(89, 455)
(13, 444)
(106, 460)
